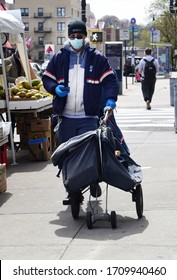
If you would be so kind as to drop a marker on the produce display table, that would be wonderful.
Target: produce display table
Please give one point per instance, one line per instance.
(30, 106)
(25, 109)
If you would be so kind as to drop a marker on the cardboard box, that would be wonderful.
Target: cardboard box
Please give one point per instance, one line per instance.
(24, 138)
(40, 124)
(40, 147)
(3, 182)
(4, 129)
(23, 124)
(23, 129)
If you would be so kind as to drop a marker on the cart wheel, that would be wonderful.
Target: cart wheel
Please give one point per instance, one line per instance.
(113, 219)
(75, 205)
(139, 201)
(89, 220)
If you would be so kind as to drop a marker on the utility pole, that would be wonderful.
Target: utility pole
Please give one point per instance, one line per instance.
(83, 5)
(173, 10)
(133, 22)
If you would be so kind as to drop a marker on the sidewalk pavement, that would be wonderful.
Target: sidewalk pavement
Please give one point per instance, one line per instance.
(35, 225)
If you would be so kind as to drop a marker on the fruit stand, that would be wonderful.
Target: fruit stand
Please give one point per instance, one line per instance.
(26, 96)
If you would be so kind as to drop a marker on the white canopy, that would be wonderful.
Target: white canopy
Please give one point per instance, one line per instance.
(10, 24)
(13, 25)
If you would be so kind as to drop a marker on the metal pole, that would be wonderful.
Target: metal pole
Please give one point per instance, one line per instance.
(175, 39)
(83, 5)
(125, 63)
(7, 101)
(152, 39)
(175, 105)
(133, 53)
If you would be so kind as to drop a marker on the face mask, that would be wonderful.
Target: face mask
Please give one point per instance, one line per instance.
(76, 43)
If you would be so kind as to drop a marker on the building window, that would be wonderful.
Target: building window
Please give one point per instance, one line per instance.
(75, 13)
(41, 41)
(24, 12)
(26, 24)
(41, 55)
(40, 26)
(61, 12)
(40, 12)
(60, 40)
(60, 26)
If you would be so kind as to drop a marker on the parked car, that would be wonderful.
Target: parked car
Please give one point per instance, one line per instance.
(37, 68)
(44, 65)
(129, 69)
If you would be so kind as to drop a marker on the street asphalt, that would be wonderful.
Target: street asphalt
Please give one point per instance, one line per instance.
(36, 226)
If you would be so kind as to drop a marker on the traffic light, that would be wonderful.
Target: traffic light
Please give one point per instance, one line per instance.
(173, 6)
(97, 37)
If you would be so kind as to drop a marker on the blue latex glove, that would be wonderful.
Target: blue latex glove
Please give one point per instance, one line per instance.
(61, 92)
(111, 103)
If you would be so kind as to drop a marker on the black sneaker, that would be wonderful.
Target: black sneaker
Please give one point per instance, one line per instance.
(148, 105)
(67, 200)
(95, 190)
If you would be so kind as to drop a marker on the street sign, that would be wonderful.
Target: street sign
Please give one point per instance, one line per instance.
(152, 28)
(124, 34)
(133, 21)
(155, 36)
(49, 49)
(134, 28)
(173, 6)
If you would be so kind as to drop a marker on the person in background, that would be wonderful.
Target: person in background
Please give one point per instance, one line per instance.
(75, 76)
(148, 76)
(137, 74)
(16, 69)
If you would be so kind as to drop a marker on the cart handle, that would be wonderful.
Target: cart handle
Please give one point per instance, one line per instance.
(107, 113)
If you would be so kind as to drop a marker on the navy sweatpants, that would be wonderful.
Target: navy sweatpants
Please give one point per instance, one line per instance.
(70, 127)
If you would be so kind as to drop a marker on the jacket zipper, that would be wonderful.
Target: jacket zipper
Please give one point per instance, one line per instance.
(77, 78)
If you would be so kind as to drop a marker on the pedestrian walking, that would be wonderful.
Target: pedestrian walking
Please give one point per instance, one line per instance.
(75, 76)
(148, 67)
(137, 74)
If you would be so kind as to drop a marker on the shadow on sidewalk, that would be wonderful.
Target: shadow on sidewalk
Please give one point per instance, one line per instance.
(126, 226)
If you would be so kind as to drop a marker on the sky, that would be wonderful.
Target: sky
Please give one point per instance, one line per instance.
(123, 9)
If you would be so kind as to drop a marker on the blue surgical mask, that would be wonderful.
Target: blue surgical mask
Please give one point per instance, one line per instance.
(76, 43)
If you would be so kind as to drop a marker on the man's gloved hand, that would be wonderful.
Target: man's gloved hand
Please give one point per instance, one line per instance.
(60, 91)
(111, 103)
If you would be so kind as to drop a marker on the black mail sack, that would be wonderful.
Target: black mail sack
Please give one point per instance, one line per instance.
(64, 149)
(82, 166)
(114, 172)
